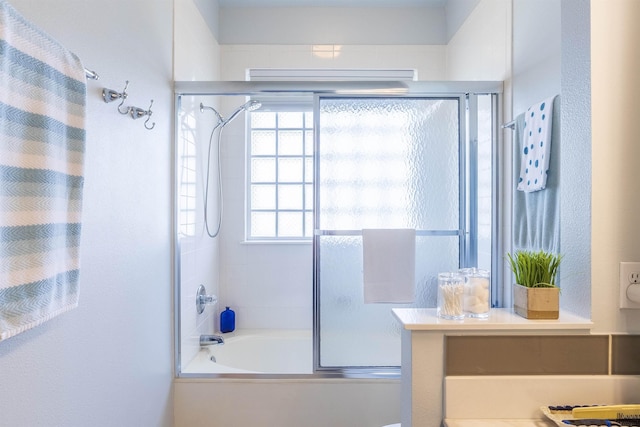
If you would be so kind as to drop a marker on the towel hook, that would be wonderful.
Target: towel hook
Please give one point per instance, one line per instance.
(149, 112)
(110, 95)
(137, 113)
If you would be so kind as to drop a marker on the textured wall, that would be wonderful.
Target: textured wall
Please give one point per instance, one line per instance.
(575, 159)
(108, 362)
(615, 59)
(551, 57)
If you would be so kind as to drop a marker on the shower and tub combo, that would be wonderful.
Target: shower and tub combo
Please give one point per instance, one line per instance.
(364, 160)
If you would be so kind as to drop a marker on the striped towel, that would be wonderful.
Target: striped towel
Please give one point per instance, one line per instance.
(42, 138)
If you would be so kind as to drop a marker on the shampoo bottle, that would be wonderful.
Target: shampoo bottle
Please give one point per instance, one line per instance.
(227, 320)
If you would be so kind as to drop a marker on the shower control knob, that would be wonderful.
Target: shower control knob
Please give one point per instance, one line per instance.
(203, 299)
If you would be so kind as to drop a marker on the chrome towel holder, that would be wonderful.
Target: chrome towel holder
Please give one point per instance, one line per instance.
(110, 95)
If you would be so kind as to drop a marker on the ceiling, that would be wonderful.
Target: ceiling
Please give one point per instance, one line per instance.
(329, 3)
(409, 22)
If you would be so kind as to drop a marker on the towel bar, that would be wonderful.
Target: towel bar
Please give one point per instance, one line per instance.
(509, 125)
(91, 74)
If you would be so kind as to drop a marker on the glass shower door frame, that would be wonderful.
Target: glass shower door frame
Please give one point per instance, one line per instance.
(317, 88)
(462, 233)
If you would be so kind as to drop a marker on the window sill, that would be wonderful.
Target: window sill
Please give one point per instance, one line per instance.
(500, 319)
(276, 242)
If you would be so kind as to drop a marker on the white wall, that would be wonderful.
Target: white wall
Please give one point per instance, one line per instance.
(456, 12)
(108, 362)
(481, 48)
(196, 50)
(615, 90)
(345, 25)
(197, 57)
(536, 52)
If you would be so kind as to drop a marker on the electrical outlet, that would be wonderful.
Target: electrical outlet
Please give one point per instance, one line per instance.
(630, 285)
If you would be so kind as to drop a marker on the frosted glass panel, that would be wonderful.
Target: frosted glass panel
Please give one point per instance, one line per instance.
(484, 181)
(263, 170)
(290, 197)
(353, 333)
(290, 170)
(382, 163)
(263, 119)
(263, 143)
(264, 224)
(290, 143)
(263, 196)
(290, 120)
(389, 163)
(290, 224)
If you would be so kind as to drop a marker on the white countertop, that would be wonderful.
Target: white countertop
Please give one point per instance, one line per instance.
(500, 319)
(499, 423)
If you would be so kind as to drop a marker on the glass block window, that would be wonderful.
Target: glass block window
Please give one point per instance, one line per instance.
(187, 176)
(280, 195)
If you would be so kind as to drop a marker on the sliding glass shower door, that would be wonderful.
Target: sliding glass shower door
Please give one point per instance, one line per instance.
(382, 163)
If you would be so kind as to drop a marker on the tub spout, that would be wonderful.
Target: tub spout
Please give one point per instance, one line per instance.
(206, 340)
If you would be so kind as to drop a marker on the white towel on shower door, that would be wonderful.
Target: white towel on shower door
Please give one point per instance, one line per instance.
(389, 265)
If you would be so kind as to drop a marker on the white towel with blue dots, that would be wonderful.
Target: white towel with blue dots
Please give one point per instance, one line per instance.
(536, 146)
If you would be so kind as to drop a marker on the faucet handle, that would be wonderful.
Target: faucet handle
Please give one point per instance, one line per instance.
(203, 299)
(207, 340)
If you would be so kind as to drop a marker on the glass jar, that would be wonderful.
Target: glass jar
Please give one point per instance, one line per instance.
(450, 296)
(477, 292)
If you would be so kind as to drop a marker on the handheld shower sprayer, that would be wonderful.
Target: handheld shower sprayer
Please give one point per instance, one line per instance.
(206, 107)
(248, 106)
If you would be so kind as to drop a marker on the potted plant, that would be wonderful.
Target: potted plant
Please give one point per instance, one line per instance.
(535, 293)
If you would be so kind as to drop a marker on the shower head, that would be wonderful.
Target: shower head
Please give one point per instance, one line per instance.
(249, 106)
(252, 105)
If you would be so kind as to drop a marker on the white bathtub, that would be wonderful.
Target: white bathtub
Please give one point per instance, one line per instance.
(256, 351)
(353, 402)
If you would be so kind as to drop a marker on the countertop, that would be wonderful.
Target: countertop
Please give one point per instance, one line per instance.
(500, 423)
(500, 319)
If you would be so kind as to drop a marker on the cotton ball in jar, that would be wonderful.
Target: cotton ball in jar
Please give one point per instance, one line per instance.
(477, 293)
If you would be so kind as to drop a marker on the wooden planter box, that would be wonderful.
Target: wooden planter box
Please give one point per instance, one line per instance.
(536, 303)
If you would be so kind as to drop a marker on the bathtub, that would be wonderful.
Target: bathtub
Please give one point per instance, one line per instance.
(203, 398)
(256, 351)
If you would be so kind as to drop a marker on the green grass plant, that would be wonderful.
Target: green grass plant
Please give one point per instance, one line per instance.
(535, 269)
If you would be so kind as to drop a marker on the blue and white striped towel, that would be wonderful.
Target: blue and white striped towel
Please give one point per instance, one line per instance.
(42, 139)
(536, 146)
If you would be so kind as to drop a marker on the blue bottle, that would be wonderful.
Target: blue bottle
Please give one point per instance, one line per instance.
(227, 320)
